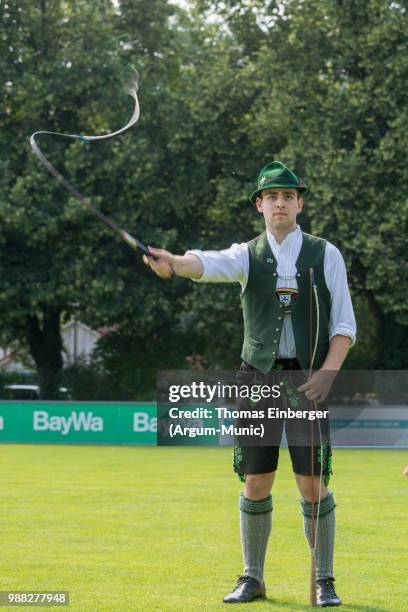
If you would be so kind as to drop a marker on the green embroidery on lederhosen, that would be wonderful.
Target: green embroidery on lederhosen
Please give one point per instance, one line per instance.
(277, 366)
(237, 461)
(292, 397)
(327, 458)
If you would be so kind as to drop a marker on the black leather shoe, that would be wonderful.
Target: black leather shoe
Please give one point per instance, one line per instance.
(247, 590)
(326, 595)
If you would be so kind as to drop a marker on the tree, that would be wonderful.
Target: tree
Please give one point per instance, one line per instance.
(61, 66)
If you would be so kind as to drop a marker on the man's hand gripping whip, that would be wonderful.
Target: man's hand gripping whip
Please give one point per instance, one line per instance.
(315, 523)
(134, 243)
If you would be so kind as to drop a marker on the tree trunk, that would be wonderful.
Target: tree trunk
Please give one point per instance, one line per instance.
(45, 344)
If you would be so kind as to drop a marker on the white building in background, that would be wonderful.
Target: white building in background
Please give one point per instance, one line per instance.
(79, 341)
(9, 362)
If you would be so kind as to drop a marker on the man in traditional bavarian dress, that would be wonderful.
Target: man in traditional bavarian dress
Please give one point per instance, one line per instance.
(281, 335)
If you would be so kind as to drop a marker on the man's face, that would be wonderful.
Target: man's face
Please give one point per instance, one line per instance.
(280, 207)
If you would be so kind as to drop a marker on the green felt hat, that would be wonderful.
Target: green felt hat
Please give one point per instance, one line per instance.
(277, 174)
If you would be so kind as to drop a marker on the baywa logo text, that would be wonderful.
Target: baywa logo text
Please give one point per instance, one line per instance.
(76, 421)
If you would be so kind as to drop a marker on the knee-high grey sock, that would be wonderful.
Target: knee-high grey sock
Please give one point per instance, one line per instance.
(256, 524)
(325, 533)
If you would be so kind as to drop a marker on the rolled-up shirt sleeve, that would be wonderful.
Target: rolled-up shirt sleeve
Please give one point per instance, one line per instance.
(342, 319)
(227, 266)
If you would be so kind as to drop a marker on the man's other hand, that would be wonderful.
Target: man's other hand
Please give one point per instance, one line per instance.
(318, 387)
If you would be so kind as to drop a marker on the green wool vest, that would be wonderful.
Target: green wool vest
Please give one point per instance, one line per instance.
(263, 313)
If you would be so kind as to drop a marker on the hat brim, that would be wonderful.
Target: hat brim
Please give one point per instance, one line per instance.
(300, 189)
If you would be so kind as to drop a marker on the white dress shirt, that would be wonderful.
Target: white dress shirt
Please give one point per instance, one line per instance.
(232, 266)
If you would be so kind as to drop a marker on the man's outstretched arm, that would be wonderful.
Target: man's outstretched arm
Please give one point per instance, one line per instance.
(165, 264)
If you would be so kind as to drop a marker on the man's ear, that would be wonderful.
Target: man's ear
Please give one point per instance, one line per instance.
(300, 205)
(258, 203)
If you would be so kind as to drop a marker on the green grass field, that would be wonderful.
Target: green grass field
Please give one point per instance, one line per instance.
(138, 528)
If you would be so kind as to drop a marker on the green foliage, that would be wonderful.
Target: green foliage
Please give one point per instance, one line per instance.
(62, 68)
(224, 88)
